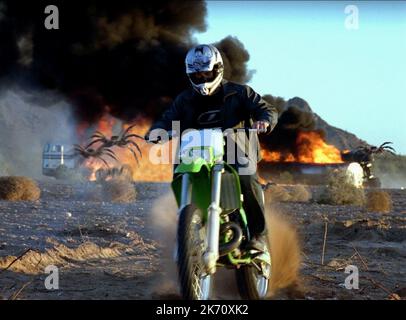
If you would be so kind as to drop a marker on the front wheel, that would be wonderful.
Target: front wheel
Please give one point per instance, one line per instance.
(195, 283)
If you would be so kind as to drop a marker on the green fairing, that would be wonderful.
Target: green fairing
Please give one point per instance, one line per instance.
(201, 181)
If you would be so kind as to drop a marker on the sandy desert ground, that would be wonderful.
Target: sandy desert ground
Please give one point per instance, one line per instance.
(124, 251)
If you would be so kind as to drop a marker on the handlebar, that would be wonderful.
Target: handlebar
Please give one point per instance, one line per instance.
(245, 129)
(170, 133)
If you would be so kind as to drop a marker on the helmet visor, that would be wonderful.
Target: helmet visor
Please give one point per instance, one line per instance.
(202, 77)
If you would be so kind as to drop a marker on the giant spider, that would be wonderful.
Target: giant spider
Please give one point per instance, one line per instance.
(87, 153)
(123, 140)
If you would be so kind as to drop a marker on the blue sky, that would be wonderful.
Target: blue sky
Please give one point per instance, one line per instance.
(354, 79)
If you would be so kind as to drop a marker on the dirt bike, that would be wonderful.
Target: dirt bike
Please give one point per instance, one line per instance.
(212, 227)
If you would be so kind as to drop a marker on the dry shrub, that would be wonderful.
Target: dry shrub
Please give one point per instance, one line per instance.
(285, 178)
(62, 172)
(275, 193)
(19, 189)
(285, 253)
(34, 262)
(300, 193)
(118, 191)
(379, 201)
(341, 191)
(124, 173)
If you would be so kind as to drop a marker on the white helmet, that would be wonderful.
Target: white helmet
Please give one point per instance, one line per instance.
(204, 58)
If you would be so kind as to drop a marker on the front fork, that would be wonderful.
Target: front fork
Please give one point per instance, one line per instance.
(211, 255)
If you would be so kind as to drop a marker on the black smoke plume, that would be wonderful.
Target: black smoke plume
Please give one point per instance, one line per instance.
(235, 59)
(123, 57)
(120, 55)
(295, 116)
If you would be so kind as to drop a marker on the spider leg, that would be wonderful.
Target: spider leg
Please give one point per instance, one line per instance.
(124, 134)
(134, 154)
(385, 144)
(79, 150)
(133, 135)
(97, 134)
(136, 146)
(128, 130)
(111, 155)
(99, 150)
(95, 141)
(108, 150)
(391, 150)
(77, 147)
(104, 161)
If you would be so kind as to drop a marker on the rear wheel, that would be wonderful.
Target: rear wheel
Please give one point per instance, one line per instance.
(195, 283)
(253, 283)
(373, 183)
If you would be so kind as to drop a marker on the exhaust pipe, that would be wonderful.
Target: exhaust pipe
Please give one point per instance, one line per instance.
(235, 242)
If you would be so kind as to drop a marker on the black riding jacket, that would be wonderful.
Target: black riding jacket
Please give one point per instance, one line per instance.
(232, 106)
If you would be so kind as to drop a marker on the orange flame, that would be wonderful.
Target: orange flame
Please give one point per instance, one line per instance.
(311, 148)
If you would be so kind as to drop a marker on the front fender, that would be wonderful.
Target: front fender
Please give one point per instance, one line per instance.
(201, 185)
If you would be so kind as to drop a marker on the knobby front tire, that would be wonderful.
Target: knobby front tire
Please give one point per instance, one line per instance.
(191, 235)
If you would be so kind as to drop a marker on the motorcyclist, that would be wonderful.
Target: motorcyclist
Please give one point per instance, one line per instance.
(215, 102)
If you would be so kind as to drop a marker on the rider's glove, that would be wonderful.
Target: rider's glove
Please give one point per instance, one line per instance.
(261, 126)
